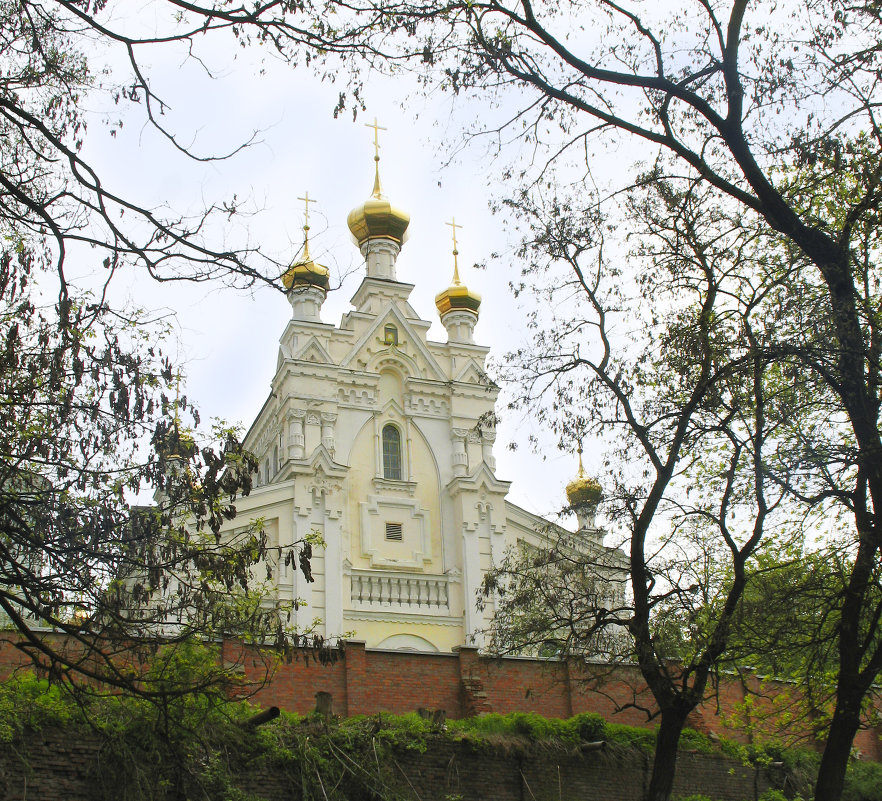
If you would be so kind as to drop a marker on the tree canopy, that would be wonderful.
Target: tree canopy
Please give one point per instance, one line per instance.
(94, 414)
(766, 110)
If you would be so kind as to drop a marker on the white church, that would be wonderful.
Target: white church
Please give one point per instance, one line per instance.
(380, 442)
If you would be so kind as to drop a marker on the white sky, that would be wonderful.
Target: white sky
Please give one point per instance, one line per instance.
(228, 340)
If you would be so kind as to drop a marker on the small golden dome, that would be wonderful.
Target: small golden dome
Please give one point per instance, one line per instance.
(457, 297)
(304, 271)
(583, 489)
(377, 217)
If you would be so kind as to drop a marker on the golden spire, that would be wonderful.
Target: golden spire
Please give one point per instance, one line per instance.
(457, 296)
(376, 218)
(305, 271)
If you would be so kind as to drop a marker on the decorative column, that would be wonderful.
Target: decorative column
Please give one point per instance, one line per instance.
(460, 457)
(297, 441)
(487, 440)
(328, 420)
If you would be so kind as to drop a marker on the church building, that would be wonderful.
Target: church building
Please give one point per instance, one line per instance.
(379, 442)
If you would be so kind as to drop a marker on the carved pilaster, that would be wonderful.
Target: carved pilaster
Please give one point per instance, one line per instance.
(460, 458)
(328, 421)
(297, 439)
(487, 440)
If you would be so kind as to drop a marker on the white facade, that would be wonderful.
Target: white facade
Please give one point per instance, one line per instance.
(408, 533)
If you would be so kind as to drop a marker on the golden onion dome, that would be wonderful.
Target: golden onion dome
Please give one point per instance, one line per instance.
(304, 271)
(377, 217)
(457, 297)
(583, 489)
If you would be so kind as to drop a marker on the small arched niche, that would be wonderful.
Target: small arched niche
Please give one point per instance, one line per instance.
(407, 642)
(391, 387)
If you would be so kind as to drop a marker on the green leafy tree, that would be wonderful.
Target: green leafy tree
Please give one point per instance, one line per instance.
(91, 411)
(731, 95)
(687, 397)
(726, 94)
(91, 417)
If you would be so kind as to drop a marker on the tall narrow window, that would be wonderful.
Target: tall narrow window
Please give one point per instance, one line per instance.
(391, 452)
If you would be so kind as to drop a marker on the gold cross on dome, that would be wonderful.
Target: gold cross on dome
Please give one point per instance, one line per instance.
(306, 201)
(377, 128)
(454, 225)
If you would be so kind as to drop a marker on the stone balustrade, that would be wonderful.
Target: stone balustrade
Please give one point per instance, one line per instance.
(404, 592)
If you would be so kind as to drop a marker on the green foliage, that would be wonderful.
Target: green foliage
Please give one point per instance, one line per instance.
(200, 745)
(590, 726)
(29, 704)
(585, 727)
(774, 795)
(863, 782)
(691, 740)
(631, 736)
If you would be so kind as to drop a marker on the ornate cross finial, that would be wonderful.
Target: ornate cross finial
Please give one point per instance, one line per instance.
(377, 128)
(579, 451)
(306, 201)
(454, 225)
(378, 189)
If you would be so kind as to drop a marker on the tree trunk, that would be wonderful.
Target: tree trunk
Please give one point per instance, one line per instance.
(834, 761)
(664, 763)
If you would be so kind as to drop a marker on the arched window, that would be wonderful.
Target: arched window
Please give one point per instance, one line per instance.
(391, 452)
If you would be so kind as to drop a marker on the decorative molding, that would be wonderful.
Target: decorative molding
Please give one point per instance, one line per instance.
(377, 509)
(314, 352)
(388, 486)
(356, 396)
(426, 407)
(389, 616)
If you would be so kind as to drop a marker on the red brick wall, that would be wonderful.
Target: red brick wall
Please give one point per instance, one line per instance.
(464, 683)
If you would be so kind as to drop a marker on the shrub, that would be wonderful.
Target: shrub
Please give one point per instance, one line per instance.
(630, 736)
(691, 740)
(588, 726)
(29, 704)
(863, 782)
(777, 795)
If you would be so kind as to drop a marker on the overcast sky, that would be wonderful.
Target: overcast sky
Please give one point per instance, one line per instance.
(228, 339)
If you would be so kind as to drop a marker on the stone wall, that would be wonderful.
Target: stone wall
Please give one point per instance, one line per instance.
(51, 766)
